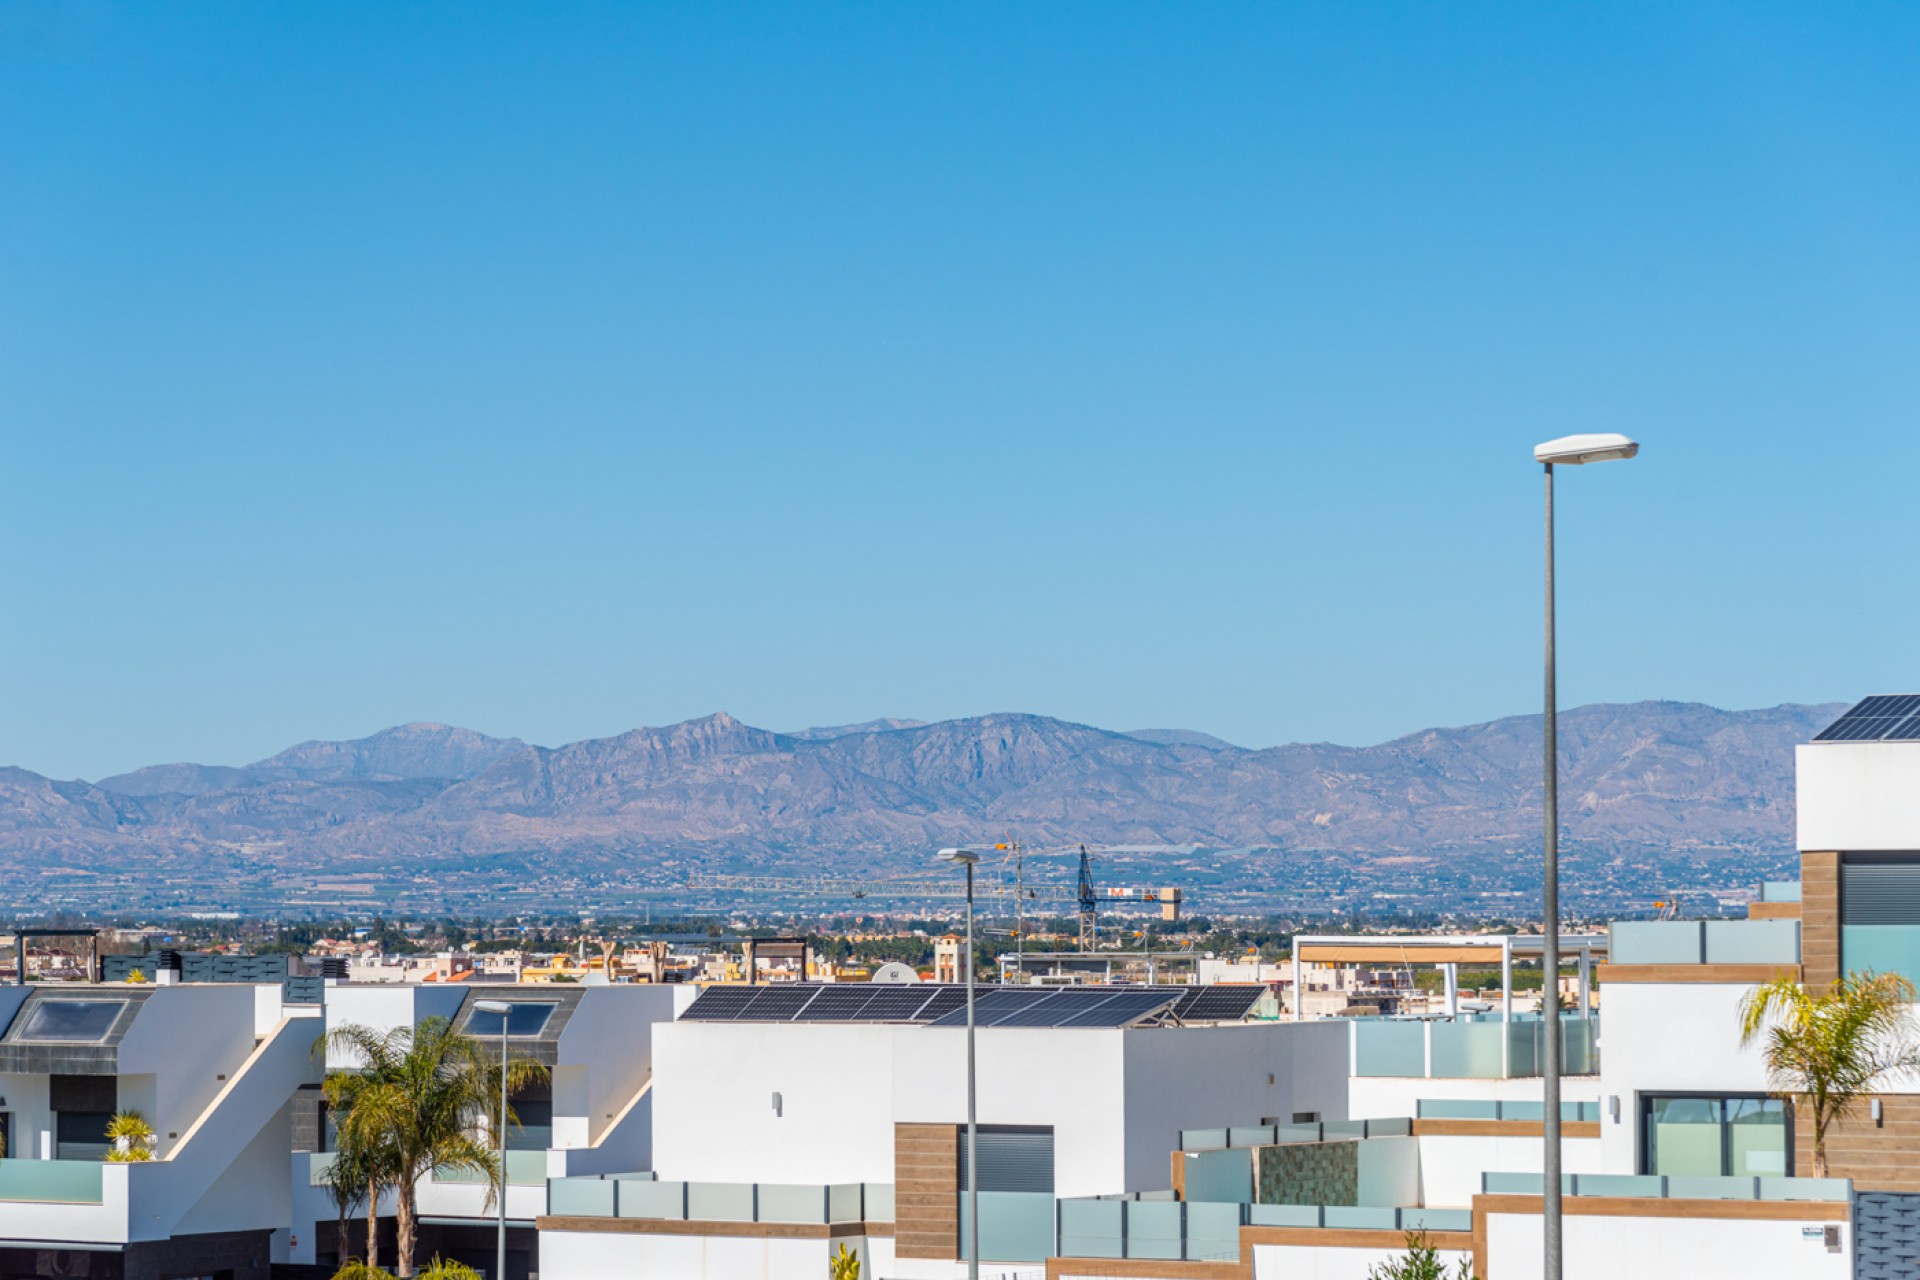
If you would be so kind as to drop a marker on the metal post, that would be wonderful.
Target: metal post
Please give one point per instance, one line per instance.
(1297, 991)
(973, 1127)
(1550, 939)
(502, 1259)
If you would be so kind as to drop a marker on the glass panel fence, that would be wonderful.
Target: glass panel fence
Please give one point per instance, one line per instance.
(1389, 1048)
(720, 1201)
(51, 1181)
(1468, 1050)
(781, 1202)
(652, 1200)
(581, 1197)
(1154, 1229)
(1015, 1226)
(1092, 1228)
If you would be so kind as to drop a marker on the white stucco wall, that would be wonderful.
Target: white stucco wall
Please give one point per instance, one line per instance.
(1450, 1167)
(584, 1255)
(606, 1057)
(1302, 1262)
(1669, 1038)
(713, 1116)
(1116, 1099)
(183, 1046)
(1598, 1248)
(1857, 796)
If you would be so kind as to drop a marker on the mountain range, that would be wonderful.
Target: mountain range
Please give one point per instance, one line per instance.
(718, 793)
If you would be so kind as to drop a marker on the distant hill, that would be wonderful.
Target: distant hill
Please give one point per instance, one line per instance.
(719, 793)
(1182, 738)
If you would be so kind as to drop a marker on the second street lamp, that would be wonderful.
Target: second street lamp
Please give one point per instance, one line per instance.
(500, 1009)
(968, 859)
(1566, 451)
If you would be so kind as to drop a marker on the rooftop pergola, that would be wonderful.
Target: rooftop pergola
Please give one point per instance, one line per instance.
(1448, 952)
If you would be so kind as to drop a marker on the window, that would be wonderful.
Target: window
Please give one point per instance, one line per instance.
(81, 1135)
(524, 1018)
(1701, 1136)
(1880, 913)
(1012, 1158)
(78, 1021)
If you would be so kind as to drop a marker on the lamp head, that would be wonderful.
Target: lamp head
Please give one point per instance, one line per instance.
(493, 1006)
(1573, 451)
(965, 856)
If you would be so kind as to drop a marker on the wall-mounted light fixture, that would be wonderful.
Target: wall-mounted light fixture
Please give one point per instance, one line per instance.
(777, 1106)
(1878, 1115)
(1613, 1107)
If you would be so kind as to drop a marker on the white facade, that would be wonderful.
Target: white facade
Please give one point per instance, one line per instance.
(1116, 1099)
(1857, 796)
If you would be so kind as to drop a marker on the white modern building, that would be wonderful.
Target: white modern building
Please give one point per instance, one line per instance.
(213, 1069)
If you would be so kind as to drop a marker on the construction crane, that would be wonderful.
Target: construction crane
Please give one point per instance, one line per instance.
(1082, 892)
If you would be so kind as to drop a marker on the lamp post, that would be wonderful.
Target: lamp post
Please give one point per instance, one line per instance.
(968, 859)
(1566, 451)
(500, 1008)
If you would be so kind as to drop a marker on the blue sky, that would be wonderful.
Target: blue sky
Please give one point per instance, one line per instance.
(557, 369)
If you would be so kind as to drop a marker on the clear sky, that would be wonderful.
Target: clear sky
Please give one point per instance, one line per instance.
(555, 369)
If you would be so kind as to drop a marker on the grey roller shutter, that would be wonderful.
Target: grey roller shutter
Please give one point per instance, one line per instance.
(1012, 1158)
(1880, 889)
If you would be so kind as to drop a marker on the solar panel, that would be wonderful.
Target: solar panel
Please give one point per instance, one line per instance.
(1884, 716)
(1120, 1010)
(837, 1004)
(777, 1003)
(718, 1004)
(897, 1004)
(945, 1000)
(992, 1004)
(1221, 1002)
(1041, 1013)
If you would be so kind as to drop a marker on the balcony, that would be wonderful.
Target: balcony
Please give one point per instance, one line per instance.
(641, 1195)
(1704, 942)
(1470, 1048)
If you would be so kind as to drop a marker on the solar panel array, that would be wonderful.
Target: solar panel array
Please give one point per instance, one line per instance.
(993, 1006)
(1225, 1002)
(1883, 718)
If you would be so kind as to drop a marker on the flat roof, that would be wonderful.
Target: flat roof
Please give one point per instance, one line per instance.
(1440, 948)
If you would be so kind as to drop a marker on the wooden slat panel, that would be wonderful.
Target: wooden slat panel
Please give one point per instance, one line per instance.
(1820, 917)
(1388, 953)
(1773, 911)
(1644, 1207)
(926, 1188)
(1502, 1128)
(1725, 974)
(1883, 1157)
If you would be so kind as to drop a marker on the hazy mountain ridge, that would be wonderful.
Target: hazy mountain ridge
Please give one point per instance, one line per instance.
(1680, 775)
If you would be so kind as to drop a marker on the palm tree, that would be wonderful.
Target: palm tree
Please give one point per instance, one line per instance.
(355, 1178)
(1826, 1051)
(416, 1099)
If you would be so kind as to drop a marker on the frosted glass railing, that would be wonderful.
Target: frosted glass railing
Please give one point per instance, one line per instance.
(1389, 1048)
(51, 1181)
(1471, 1049)
(1669, 1187)
(1268, 1135)
(1199, 1232)
(643, 1195)
(1015, 1226)
(1487, 1109)
(524, 1169)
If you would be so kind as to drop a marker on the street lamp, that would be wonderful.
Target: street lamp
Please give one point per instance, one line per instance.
(1569, 451)
(500, 1009)
(969, 859)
